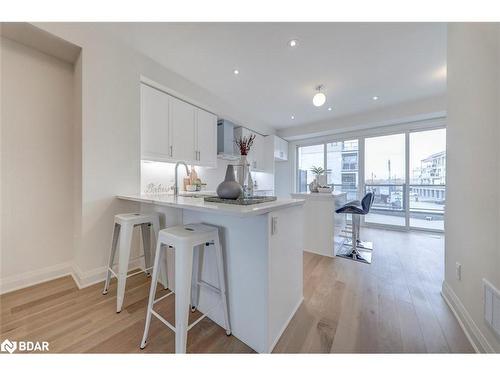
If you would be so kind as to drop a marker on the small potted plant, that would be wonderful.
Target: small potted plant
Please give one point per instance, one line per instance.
(314, 185)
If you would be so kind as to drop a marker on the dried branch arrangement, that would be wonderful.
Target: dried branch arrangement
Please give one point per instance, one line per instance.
(245, 143)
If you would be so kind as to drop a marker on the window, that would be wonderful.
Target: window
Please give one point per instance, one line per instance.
(342, 167)
(406, 172)
(385, 176)
(308, 157)
(427, 179)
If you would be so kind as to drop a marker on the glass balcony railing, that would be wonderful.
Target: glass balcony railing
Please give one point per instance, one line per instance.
(351, 190)
(426, 205)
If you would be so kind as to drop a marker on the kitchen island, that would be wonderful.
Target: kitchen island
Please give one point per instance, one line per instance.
(262, 246)
(322, 226)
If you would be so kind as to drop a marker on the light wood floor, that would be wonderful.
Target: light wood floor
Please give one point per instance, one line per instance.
(391, 306)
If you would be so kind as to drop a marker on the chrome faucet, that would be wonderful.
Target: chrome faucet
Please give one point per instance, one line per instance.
(176, 186)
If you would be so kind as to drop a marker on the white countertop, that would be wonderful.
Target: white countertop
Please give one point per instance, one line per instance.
(198, 204)
(319, 196)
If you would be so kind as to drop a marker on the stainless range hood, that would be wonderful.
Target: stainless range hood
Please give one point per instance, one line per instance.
(225, 140)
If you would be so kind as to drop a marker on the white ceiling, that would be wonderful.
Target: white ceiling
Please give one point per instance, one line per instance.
(354, 61)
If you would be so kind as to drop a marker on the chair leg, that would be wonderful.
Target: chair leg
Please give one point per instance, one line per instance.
(152, 293)
(114, 242)
(163, 265)
(195, 288)
(124, 257)
(146, 244)
(354, 238)
(183, 273)
(222, 282)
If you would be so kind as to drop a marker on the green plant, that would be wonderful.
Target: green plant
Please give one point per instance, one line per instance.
(318, 171)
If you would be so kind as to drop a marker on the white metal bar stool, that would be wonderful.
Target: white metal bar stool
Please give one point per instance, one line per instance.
(184, 239)
(122, 239)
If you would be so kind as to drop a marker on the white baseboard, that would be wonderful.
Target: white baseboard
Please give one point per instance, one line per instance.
(278, 336)
(26, 279)
(97, 275)
(473, 333)
(82, 279)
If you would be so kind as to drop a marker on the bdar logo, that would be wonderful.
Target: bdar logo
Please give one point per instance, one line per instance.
(8, 346)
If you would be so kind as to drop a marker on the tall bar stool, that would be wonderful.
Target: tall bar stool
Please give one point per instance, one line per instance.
(355, 247)
(122, 239)
(184, 239)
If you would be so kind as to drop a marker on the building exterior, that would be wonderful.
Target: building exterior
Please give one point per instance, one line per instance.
(342, 164)
(431, 175)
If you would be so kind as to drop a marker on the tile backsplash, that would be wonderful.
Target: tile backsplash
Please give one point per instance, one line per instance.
(160, 176)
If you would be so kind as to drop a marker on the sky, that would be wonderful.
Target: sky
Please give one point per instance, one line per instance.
(378, 150)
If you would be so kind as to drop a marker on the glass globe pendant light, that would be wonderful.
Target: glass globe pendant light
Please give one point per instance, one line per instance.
(319, 98)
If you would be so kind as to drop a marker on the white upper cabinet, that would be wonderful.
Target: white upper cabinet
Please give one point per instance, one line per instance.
(173, 130)
(257, 155)
(182, 120)
(155, 139)
(280, 149)
(206, 138)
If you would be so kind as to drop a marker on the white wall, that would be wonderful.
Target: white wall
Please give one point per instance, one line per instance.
(37, 164)
(472, 208)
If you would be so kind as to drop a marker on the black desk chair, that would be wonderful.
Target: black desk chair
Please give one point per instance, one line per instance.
(356, 209)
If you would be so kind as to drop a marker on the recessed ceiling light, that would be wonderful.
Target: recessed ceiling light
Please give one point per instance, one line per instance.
(292, 117)
(236, 72)
(329, 108)
(293, 43)
(375, 98)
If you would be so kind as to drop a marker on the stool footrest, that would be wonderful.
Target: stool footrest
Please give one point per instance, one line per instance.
(132, 274)
(131, 260)
(196, 321)
(163, 320)
(209, 286)
(162, 297)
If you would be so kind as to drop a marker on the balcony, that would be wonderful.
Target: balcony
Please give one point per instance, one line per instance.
(425, 211)
(349, 167)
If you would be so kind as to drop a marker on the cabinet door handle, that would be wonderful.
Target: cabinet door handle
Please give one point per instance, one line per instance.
(199, 155)
(274, 225)
(171, 151)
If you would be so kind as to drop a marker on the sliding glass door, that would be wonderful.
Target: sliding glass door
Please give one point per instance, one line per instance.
(385, 176)
(406, 171)
(427, 189)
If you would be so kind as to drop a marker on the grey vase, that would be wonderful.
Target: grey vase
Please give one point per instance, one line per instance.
(229, 188)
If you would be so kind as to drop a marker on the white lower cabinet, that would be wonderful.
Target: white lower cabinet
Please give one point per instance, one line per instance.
(174, 130)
